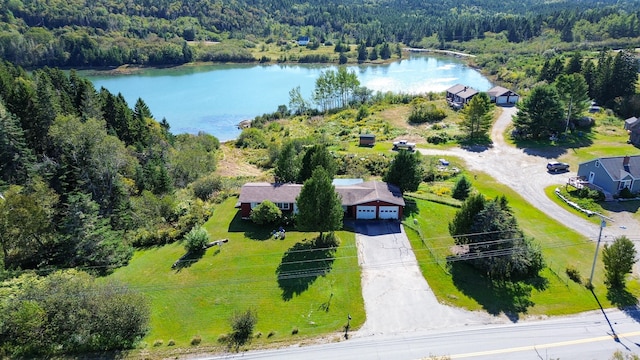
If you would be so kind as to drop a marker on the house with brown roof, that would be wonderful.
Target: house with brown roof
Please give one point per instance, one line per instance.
(365, 200)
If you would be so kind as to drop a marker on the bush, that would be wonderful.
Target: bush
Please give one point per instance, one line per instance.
(171, 343)
(426, 113)
(196, 240)
(294, 331)
(158, 343)
(252, 138)
(242, 324)
(265, 213)
(573, 274)
(205, 187)
(626, 194)
(196, 340)
(271, 334)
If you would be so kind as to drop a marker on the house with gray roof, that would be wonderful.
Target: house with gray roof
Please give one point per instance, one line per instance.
(458, 95)
(632, 125)
(502, 96)
(612, 174)
(365, 200)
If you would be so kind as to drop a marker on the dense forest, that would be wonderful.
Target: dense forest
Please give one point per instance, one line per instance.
(80, 33)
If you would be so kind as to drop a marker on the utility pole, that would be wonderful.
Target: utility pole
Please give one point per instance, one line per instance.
(603, 223)
(569, 113)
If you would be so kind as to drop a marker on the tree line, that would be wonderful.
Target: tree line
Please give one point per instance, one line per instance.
(84, 179)
(110, 33)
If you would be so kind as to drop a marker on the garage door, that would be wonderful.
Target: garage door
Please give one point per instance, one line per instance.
(366, 212)
(388, 212)
(502, 100)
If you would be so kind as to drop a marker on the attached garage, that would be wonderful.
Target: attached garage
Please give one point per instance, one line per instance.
(365, 212)
(389, 212)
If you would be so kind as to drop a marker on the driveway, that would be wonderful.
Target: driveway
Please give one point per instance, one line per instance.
(524, 170)
(397, 297)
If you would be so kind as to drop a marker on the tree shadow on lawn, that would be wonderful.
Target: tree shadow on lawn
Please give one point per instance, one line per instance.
(301, 265)
(251, 230)
(630, 206)
(496, 297)
(187, 260)
(551, 150)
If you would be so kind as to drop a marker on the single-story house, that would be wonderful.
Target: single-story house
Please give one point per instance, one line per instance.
(367, 139)
(632, 125)
(303, 40)
(502, 96)
(365, 200)
(612, 174)
(458, 95)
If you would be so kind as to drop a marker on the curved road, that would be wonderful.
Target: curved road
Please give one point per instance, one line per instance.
(524, 170)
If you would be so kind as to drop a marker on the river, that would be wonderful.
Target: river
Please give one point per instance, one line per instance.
(215, 98)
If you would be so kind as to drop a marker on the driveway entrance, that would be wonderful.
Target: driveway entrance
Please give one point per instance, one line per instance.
(396, 296)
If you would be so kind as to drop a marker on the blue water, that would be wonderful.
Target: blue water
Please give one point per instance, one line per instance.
(215, 98)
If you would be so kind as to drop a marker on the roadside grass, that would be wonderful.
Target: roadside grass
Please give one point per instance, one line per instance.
(198, 299)
(550, 192)
(562, 248)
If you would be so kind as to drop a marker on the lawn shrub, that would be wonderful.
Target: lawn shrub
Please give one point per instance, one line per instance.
(626, 194)
(196, 240)
(422, 113)
(440, 138)
(573, 274)
(295, 331)
(196, 340)
(271, 334)
(171, 343)
(205, 187)
(158, 343)
(441, 190)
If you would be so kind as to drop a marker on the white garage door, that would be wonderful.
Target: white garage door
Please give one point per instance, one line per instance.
(388, 212)
(501, 100)
(366, 212)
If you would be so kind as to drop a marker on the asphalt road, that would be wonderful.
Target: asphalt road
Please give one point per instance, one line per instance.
(588, 336)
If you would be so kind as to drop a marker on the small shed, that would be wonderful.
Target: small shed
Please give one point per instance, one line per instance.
(367, 139)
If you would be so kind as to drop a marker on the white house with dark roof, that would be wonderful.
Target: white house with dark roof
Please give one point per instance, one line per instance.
(366, 200)
(612, 174)
(502, 96)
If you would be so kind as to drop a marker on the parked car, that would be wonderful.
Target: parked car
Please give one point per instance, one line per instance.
(556, 166)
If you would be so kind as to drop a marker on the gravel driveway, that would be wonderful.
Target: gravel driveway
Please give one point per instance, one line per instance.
(397, 297)
(524, 170)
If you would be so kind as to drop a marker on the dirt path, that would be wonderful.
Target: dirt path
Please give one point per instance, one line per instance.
(524, 170)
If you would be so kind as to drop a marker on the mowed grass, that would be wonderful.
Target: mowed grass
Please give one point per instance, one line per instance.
(198, 300)
(561, 247)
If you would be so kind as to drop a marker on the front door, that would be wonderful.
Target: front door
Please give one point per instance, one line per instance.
(592, 175)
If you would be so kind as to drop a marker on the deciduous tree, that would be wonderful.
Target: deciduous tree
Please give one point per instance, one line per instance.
(618, 259)
(265, 213)
(405, 171)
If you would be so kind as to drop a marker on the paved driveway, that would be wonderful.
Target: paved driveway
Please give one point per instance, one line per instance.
(397, 297)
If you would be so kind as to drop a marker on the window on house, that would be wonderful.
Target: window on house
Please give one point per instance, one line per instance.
(597, 163)
(254, 204)
(283, 206)
(624, 184)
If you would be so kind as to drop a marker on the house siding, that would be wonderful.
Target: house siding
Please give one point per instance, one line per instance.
(601, 177)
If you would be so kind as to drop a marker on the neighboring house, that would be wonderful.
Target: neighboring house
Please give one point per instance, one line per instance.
(366, 200)
(458, 95)
(612, 174)
(367, 139)
(502, 96)
(303, 40)
(632, 125)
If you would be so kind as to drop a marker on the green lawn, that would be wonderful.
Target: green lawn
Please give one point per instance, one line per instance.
(243, 274)
(562, 247)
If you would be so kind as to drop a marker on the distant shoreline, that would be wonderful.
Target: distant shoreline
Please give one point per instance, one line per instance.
(447, 52)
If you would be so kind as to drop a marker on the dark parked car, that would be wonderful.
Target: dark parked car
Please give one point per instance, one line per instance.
(556, 166)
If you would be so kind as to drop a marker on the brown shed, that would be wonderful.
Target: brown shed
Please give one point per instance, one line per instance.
(367, 139)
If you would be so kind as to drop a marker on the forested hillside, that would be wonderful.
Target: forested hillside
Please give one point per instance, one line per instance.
(77, 33)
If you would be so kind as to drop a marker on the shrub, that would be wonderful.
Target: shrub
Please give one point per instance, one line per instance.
(294, 331)
(438, 138)
(573, 274)
(171, 343)
(626, 194)
(196, 340)
(205, 187)
(422, 113)
(252, 138)
(271, 334)
(242, 324)
(265, 213)
(196, 240)
(441, 191)
(223, 338)
(158, 343)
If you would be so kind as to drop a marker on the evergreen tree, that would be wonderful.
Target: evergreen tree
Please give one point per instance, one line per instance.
(316, 157)
(478, 116)
(362, 52)
(319, 205)
(541, 114)
(385, 51)
(405, 171)
(461, 189)
(574, 92)
(15, 156)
